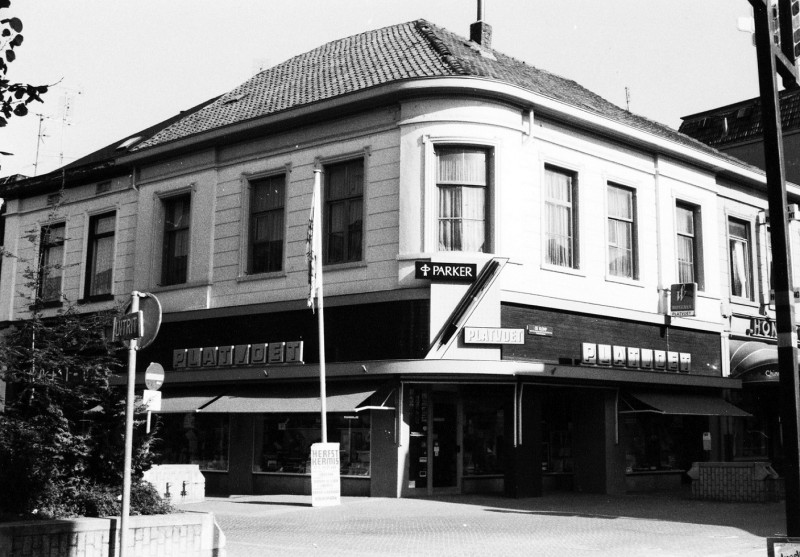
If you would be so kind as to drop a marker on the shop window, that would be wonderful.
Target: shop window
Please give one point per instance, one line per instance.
(175, 253)
(344, 212)
(201, 439)
(740, 256)
(51, 261)
(283, 442)
(462, 178)
(561, 217)
(652, 442)
(483, 439)
(689, 244)
(621, 232)
(267, 224)
(100, 255)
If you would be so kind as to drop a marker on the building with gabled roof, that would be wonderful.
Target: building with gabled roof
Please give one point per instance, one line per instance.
(499, 250)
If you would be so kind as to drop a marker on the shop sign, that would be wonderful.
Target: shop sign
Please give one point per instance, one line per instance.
(768, 375)
(635, 358)
(238, 355)
(682, 299)
(325, 480)
(540, 330)
(445, 272)
(763, 327)
(493, 335)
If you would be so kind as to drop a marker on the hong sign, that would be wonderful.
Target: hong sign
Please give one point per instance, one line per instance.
(445, 272)
(683, 299)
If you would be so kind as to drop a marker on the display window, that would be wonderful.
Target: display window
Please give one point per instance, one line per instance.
(483, 438)
(652, 442)
(282, 442)
(201, 439)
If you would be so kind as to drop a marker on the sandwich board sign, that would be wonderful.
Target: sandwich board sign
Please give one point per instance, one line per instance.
(325, 480)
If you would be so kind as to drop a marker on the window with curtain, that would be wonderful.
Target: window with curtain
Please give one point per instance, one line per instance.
(740, 258)
(175, 254)
(688, 232)
(560, 217)
(621, 231)
(344, 211)
(51, 261)
(267, 197)
(100, 255)
(462, 181)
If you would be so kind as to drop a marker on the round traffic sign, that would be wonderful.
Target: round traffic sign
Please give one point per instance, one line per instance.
(154, 376)
(151, 317)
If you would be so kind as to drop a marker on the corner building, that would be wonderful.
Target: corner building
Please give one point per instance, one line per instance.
(541, 356)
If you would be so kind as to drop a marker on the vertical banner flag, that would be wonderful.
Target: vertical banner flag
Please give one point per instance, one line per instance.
(312, 251)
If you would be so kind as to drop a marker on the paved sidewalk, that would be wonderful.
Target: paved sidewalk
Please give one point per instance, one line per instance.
(557, 525)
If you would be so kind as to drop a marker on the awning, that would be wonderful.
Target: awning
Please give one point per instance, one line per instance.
(382, 399)
(289, 399)
(187, 401)
(747, 355)
(678, 404)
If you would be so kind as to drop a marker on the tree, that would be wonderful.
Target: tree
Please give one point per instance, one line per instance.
(14, 97)
(61, 433)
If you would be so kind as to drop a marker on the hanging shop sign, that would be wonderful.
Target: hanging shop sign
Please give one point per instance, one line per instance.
(635, 358)
(445, 272)
(683, 299)
(493, 335)
(238, 355)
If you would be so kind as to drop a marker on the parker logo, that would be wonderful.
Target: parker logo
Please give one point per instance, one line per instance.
(445, 272)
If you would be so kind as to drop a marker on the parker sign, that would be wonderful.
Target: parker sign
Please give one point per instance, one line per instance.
(445, 272)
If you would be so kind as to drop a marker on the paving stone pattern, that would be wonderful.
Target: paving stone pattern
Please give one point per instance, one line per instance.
(555, 525)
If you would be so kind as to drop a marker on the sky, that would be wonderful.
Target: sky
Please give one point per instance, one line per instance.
(122, 65)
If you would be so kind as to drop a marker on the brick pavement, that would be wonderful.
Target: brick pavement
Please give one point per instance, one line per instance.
(555, 525)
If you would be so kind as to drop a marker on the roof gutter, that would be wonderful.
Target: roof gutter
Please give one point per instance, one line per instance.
(460, 85)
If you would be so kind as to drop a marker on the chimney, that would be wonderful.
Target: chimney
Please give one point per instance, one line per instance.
(480, 32)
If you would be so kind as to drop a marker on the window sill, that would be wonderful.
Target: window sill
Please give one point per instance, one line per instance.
(182, 286)
(343, 266)
(46, 305)
(566, 270)
(261, 276)
(96, 299)
(744, 301)
(627, 281)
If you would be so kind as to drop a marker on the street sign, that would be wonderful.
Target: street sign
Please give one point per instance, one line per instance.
(128, 327)
(445, 272)
(151, 400)
(150, 308)
(154, 376)
(683, 299)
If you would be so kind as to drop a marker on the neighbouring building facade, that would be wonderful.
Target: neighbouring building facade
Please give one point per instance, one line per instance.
(499, 250)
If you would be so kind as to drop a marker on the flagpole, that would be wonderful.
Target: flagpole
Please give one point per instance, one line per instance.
(317, 278)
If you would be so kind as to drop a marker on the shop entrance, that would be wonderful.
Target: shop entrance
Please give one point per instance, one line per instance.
(443, 445)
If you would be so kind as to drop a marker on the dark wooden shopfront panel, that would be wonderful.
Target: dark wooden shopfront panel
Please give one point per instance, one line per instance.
(571, 330)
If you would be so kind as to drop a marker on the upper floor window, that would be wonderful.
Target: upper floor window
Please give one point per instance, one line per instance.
(100, 255)
(621, 232)
(560, 217)
(51, 260)
(462, 178)
(740, 256)
(344, 211)
(689, 243)
(266, 224)
(175, 251)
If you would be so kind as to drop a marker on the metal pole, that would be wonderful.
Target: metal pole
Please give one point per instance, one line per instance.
(317, 240)
(126, 471)
(781, 257)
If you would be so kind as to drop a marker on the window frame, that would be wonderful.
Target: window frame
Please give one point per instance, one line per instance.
(44, 249)
(634, 232)
(346, 201)
(166, 201)
(91, 241)
(250, 215)
(697, 242)
(748, 264)
(574, 219)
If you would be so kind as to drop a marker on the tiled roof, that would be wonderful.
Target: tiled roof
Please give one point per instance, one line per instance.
(740, 122)
(406, 51)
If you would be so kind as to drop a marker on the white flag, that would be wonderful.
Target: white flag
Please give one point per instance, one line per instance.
(312, 244)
